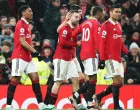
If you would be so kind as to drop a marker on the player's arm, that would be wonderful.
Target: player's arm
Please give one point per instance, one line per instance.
(124, 49)
(103, 38)
(64, 22)
(61, 25)
(96, 37)
(76, 32)
(63, 38)
(21, 33)
(25, 44)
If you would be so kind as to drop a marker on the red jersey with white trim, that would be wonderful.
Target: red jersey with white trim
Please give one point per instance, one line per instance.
(89, 43)
(22, 30)
(111, 43)
(65, 44)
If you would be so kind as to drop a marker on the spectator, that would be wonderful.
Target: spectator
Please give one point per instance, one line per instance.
(132, 75)
(5, 8)
(36, 38)
(7, 34)
(135, 38)
(136, 22)
(4, 71)
(7, 52)
(47, 56)
(47, 53)
(12, 22)
(128, 8)
(51, 22)
(126, 27)
(3, 20)
(38, 7)
(63, 11)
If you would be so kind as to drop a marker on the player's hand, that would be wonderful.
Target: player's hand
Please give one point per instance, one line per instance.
(78, 43)
(101, 64)
(68, 16)
(38, 55)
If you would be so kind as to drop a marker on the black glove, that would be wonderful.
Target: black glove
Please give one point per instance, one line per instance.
(101, 64)
(38, 55)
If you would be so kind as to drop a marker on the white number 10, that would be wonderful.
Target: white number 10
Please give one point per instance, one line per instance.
(86, 34)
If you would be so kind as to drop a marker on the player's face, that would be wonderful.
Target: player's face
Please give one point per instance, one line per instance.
(75, 17)
(29, 13)
(100, 14)
(116, 14)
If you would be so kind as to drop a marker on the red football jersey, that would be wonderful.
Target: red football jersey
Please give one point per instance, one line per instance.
(89, 43)
(22, 30)
(111, 41)
(64, 49)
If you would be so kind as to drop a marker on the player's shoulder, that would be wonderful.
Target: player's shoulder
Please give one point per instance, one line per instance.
(106, 23)
(20, 23)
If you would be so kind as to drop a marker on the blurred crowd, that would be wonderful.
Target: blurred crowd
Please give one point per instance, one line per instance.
(47, 16)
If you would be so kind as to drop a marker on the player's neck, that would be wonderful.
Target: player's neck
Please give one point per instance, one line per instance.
(113, 20)
(26, 19)
(70, 24)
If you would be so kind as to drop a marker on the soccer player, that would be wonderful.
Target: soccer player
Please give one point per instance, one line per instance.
(90, 30)
(22, 59)
(110, 55)
(63, 64)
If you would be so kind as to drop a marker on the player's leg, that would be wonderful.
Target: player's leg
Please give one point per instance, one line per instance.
(60, 69)
(117, 84)
(73, 74)
(108, 90)
(11, 91)
(18, 67)
(33, 75)
(48, 93)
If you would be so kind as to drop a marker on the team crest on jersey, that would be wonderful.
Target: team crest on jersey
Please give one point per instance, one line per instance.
(64, 33)
(103, 34)
(22, 30)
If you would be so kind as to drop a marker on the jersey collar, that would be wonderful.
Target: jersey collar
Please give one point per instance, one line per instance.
(25, 20)
(112, 21)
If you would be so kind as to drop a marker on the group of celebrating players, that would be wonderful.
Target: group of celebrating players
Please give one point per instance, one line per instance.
(102, 39)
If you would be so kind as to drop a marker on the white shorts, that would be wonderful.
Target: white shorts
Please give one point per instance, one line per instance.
(19, 66)
(91, 66)
(114, 68)
(64, 69)
(77, 65)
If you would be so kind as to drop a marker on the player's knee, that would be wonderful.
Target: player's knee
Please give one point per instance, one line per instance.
(75, 81)
(35, 79)
(117, 79)
(58, 83)
(93, 77)
(15, 79)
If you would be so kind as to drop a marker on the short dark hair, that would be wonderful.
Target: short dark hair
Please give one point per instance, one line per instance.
(75, 7)
(22, 9)
(115, 6)
(6, 43)
(74, 11)
(96, 10)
